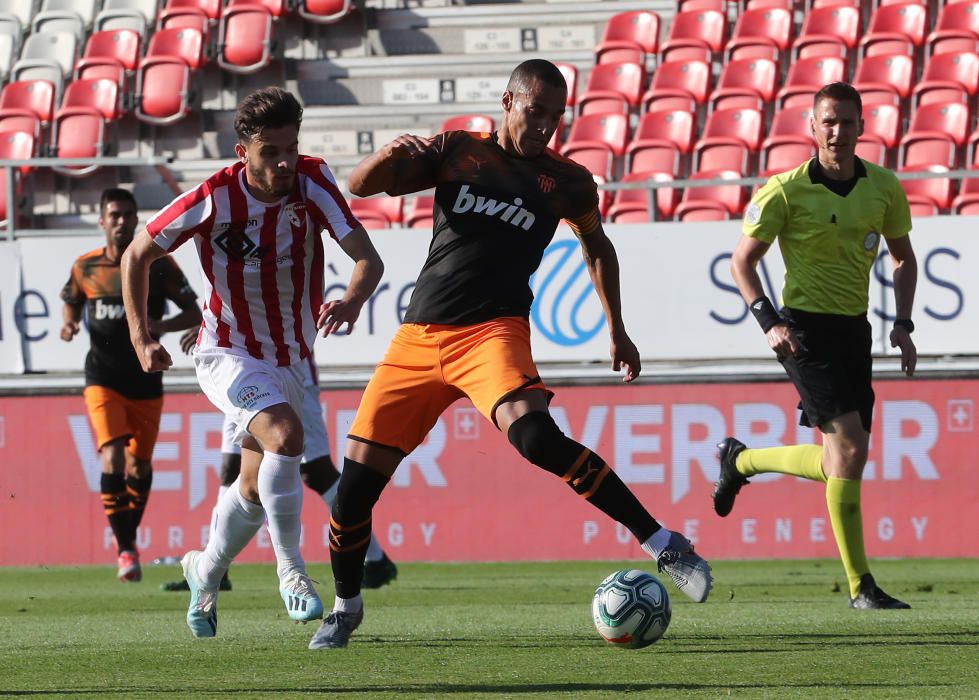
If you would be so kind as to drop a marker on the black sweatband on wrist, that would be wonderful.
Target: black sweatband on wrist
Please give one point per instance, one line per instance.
(764, 312)
(905, 323)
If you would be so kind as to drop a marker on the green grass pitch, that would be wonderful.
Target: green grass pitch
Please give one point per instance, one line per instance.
(773, 629)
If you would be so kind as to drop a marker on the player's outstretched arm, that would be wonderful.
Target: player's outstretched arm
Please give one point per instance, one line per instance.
(905, 283)
(402, 166)
(603, 267)
(368, 269)
(135, 268)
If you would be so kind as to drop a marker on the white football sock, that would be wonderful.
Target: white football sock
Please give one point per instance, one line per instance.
(351, 605)
(281, 491)
(657, 542)
(235, 522)
(214, 511)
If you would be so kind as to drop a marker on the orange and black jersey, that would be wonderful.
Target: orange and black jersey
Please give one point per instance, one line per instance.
(494, 215)
(96, 283)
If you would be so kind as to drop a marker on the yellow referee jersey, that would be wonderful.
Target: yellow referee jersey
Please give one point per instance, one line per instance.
(828, 242)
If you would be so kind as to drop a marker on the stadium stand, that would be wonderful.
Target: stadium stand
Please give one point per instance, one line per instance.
(370, 70)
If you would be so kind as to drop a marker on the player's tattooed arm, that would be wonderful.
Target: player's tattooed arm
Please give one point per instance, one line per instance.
(405, 165)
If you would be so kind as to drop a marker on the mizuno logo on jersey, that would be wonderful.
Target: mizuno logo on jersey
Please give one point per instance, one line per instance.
(110, 311)
(511, 213)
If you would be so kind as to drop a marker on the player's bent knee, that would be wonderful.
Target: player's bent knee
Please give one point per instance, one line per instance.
(358, 491)
(319, 474)
(540, 441)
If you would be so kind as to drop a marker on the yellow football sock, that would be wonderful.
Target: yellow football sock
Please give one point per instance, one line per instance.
(843, 503)
(799, 460)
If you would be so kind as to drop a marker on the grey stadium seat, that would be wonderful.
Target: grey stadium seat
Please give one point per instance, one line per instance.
(84, 8)
(59, 21)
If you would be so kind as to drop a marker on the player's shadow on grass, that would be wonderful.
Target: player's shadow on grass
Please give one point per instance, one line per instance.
(477, 689)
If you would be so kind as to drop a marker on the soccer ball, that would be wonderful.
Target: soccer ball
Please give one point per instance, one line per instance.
(631, 609)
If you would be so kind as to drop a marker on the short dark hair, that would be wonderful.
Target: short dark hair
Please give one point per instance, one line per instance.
(535, 69)
(271, 108)
(842, 92)
(116, 194)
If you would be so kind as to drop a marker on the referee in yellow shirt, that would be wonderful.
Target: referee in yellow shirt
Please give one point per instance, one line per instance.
(829, 215)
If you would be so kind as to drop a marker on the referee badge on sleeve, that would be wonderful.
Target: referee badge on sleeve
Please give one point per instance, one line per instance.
(752, 213)
(870, 241)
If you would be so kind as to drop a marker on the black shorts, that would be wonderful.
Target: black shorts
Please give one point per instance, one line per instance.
(833, 374)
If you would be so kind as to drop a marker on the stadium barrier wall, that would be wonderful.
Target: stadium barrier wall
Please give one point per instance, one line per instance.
(679, 300)
(465, 495)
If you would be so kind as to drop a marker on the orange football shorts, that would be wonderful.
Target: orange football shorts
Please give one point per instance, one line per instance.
(114, 416)
(427, 367)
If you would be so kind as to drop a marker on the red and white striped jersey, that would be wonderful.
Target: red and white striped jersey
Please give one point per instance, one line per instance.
(262, 264)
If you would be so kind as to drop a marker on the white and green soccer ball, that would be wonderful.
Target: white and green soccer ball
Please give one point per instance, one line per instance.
(631, 609)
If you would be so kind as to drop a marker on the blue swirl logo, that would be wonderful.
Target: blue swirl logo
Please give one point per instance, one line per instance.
(566, 309)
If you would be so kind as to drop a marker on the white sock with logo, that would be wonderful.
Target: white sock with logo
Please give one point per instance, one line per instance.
(657, 542)
(281, 491)
(234, 522)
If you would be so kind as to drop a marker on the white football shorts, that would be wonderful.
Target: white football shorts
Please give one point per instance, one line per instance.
(316, 439)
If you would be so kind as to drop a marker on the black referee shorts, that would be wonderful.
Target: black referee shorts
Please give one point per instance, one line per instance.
(833, 374)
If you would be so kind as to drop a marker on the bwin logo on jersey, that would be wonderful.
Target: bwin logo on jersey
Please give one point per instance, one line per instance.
(513, 214)
(113, 312)
(566, 309)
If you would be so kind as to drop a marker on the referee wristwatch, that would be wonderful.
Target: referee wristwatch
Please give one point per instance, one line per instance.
(905, 323)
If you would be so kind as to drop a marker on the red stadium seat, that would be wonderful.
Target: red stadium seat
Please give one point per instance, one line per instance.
(211, 8)
(697, 34)
(882, 121)
(371, 216)
(79, 132)
(935, 132)
(596, 140)
(967, 201)
(702, 210)
(21, 120)
(323, 11)
(164, 78)
(33, 96)
(391, 208)
(184, 44)
(246, 38)
(679, 82)
(871, 149)
(893, 26)
(748, 82)
(781, 153)
(794, 121)
(884, 74)
(948, 77)
(632, 206)
(627, 33)
(276, 7)
(730, 197)
(828, 25)
(921, 206)
(118, 45)
(957, 29)
(938, 190)
(661, 140)
(757, 32)
(557, 138)
(729, 133)
(469, 122)
(570, 74)
(806, 76)
(14, 145)
(420, 214)
(612, 87)
(99, 94)
(185, 18)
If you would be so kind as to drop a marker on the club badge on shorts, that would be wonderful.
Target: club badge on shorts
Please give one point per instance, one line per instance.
(870, 241)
